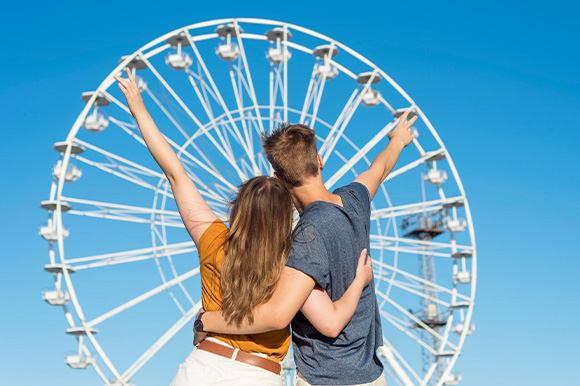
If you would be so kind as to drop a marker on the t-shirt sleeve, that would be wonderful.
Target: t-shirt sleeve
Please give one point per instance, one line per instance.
(309, 254)
(361, 195)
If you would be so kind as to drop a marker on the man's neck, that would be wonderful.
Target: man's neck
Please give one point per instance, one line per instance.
(312, 190)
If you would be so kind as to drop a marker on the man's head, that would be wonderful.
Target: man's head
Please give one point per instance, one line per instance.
(291, 149)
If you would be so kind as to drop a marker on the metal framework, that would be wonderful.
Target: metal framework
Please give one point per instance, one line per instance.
(213, 92)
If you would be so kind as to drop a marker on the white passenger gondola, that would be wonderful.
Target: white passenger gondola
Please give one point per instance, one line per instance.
(72, 172)
(228, 50)
(178, 60)
(56, 297)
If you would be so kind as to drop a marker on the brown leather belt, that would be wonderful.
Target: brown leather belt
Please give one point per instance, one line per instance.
(240, 356)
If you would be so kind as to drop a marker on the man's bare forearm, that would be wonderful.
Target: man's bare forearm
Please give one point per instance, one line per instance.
(384, 163)
(387, 159)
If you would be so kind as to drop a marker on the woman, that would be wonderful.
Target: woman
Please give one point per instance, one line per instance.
(239, 267)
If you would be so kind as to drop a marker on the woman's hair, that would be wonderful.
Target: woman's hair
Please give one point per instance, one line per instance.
(256, 248)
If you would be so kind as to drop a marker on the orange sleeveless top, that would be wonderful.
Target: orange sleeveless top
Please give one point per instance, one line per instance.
(211, 253)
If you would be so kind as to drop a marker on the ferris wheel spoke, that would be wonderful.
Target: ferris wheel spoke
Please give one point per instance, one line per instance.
(214, 88)
(204, 165)
(133, 302)
(419, 323)
(398, 357)
(218, 95)
(413, 251)
(384, 102)
(238, 96)
(276, 87)
(339, 120)
(208, 111)
(317, 99)
(405, 287)
(126, 218)
(128, 213)
(211, 169)
(332, 140)
(415, 163)
(388, 246)
(424, 282)
(116, 173)
(132, 255)
(173, 93)
(419, 207)
(201, 91)
(209, 194)
(166, 113)
(359, 155)
(194, 119)
(162, 341)
(128, 165)
(389, 240)
(338, 123)
(109, 206)
(95, 365)
(128, 128)
(272, 95)
(389, 318)
(213, 122)
(309, 95)
(119, 104)
(265, 164)
(250, 85)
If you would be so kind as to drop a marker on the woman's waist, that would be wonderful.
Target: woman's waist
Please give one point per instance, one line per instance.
(273, 345)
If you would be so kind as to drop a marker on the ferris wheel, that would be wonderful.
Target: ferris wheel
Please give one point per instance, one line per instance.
(126, 273)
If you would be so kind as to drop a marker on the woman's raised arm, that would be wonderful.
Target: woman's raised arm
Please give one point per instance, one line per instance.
(195, 213)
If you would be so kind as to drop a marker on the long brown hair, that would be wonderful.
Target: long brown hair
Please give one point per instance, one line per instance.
(256, 248)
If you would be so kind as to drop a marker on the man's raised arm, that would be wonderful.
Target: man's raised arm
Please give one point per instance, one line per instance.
(292, 290)
(382, 165)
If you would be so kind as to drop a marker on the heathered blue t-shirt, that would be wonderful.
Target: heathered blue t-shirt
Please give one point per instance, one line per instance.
(326, 245)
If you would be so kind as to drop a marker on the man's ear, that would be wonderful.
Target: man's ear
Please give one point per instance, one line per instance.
(320, 162)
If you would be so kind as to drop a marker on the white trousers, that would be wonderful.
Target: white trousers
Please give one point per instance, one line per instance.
(299, 380)
(202, 368)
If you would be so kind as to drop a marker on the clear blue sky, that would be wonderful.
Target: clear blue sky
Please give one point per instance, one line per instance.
(499, 81)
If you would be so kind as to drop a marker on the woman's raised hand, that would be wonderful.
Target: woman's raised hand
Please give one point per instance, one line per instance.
(364, 270)
(132, 94)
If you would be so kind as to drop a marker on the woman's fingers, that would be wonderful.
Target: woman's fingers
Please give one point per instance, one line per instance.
(369, 262)
(362, 257)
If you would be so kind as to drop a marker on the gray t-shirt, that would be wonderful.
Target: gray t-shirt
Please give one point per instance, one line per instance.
(326, 245)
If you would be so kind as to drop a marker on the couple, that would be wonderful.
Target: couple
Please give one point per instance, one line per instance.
(258, 276)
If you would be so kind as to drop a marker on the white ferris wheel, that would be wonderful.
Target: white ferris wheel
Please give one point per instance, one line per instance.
(125, 272)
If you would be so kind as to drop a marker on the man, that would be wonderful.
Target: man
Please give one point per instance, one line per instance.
(333, 229)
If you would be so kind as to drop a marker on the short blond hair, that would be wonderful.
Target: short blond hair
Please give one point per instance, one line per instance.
(291, 149)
